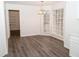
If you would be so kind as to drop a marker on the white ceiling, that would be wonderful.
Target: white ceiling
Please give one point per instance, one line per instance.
(33, 2)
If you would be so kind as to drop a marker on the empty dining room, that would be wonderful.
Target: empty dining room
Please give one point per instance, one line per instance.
(39, 29)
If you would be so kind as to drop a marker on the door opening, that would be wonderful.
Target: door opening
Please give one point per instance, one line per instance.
(14, 22)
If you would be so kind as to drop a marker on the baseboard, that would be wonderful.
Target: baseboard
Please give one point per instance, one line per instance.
(56, 36)
(29, 35)
(46, 34)
(66, 46)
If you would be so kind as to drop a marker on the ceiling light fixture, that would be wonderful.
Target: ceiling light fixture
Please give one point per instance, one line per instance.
(41, 11)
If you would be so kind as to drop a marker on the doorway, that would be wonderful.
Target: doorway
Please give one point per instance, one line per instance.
(14, 22)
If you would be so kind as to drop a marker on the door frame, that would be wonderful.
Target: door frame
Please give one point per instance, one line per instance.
(9, 20)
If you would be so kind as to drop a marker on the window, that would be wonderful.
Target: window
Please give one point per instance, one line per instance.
(58, 21)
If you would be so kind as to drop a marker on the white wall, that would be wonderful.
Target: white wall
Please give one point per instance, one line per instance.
(67, 22)
(29, 19)
(71, 28)
(71, 21)
(3, 42)
(58, 5)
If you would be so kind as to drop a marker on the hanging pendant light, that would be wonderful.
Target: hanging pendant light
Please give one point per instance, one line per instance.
(41, 11)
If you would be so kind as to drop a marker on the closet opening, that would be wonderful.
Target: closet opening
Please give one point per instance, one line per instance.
(14, 22)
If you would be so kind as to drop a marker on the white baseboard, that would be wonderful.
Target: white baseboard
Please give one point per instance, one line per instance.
(57, 36)
(66, 46)
(54, 35)
(46, 34)
(29, 35)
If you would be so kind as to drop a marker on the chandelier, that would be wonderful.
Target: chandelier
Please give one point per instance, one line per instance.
(41, 11)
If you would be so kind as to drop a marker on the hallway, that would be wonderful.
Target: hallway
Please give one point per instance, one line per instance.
(36, 46)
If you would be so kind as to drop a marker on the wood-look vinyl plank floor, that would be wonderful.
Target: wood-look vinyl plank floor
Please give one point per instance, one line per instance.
(36, 46)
